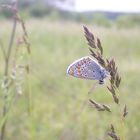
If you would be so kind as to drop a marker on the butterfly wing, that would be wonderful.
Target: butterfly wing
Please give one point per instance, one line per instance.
(85, 68)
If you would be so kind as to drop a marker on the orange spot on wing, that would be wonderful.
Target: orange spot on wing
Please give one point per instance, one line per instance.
(71, 72)
(79, 71)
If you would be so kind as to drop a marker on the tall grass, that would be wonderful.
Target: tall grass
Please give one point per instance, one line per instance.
(13, 68)
(57, 101)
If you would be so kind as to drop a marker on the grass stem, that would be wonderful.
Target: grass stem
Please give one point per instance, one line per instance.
(6, 75)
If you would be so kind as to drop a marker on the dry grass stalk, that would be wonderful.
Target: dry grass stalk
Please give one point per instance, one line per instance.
(11, 75)
(100, 107)
(24, 37)
(112, 90)
(125, 111)
(95, 46)
(96, 50)
(113, 134)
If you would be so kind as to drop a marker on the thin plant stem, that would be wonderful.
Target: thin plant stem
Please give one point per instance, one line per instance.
(10, 48)
(3, 50)
(6, 73)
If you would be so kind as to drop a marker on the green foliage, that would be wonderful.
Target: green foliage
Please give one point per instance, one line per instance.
(128, 20)
(59, 108)
(101, 20)
(4, 13)
(80, 17)
(39, 10)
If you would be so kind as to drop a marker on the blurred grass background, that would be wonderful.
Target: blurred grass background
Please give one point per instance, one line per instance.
(60, 108)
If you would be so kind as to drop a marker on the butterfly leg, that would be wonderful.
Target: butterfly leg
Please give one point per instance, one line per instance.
(93, 88)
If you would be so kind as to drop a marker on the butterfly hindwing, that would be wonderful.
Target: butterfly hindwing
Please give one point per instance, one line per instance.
(85, 68)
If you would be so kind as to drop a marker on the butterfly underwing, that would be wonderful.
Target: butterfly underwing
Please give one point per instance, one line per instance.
(87, 68)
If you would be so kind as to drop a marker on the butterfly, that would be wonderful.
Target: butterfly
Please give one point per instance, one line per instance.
(87, 68)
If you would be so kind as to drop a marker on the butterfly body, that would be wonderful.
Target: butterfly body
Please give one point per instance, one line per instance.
(87, 68)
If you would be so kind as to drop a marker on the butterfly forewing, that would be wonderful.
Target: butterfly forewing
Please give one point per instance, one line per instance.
(85, 67)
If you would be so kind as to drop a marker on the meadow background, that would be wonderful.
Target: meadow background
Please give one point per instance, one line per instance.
(59, 103)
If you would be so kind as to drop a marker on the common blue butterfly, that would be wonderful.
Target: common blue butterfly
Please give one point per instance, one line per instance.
(87, 68)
